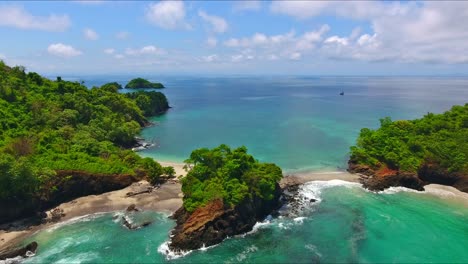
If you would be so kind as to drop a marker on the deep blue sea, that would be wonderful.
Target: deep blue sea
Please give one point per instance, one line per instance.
(302, 124)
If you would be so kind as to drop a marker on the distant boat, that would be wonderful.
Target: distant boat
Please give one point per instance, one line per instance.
(342, 93)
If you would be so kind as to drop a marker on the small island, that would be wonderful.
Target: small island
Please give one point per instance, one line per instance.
(413, 153)
(140, 83)
(225, 193)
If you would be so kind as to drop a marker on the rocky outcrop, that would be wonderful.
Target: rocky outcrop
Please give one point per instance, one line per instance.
(69, 185)
(383, 178)
(211, 224)
(24, 251)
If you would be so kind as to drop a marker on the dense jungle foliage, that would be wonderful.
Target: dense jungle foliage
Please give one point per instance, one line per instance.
(406, 144)
(48, 125)
(138, 83)
(231, 175)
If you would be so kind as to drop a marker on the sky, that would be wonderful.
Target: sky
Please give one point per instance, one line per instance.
(236, 37)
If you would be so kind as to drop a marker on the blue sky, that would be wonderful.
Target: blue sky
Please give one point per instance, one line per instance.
(253, 37)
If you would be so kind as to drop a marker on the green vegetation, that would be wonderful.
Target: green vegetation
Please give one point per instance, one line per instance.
(151, 103)
(112, 86)
(48, 125)
(231, 175)
(142, 83)
(406, 145)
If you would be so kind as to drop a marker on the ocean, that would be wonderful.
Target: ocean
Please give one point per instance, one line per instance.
(301, 124)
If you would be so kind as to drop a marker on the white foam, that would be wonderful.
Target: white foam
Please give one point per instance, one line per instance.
(170, 254)
(313, 189)
(79, 258)
(313, 249)
(12, 260)
(83, 218)
(393, 190)
(243, 255)
(256, 227)
(299, 220)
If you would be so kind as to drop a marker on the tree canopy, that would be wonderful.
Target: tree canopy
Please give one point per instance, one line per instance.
(48, 125)
(143, 83)
(231, 175)
(406, 144)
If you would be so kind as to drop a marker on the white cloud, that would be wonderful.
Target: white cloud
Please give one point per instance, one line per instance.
(210, 58)
(336, 40)
(167, 15)
(119, 56)
(211, 42)
(62, 50)
(218, 24)
(259, 39)
(122, 35)
(146, 50)
(299, 9)
(18, 17)
(295, 56)
(2, 57)
(287, 45)
(309, 39)
(90, 34)
(237, 58)
(250, 5)
(429, 31)
(109, 51)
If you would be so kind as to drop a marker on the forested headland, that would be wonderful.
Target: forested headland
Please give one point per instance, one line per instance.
(54, 131)
(433, 149)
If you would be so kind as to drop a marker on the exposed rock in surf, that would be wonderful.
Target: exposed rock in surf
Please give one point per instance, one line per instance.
(25, 251)
(140, 144)
(131, 226)
(211, 224)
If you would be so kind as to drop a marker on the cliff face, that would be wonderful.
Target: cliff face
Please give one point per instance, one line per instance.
(211, 224)
(378, 180)
(70, 185)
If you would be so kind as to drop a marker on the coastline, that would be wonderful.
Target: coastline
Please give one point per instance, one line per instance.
(167, 198)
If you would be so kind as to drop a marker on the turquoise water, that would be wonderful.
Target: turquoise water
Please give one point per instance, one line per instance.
(297, 122)
(348, 224)
(301, 124)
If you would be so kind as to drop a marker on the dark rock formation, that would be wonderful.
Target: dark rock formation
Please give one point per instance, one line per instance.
(378, 180)
(131, 226)
(70, 185)
(132, 208)
(211, 224)
(19, 251)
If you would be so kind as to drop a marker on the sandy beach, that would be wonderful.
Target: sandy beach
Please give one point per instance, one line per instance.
(178, 167)
(167, 198)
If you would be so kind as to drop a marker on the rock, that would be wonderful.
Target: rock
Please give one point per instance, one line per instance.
(25, 251)
(211, 224)
(132, 208)
(130, 226)
(56, 214)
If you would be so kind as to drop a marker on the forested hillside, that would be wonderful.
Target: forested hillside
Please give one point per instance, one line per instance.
(58, 126)
(433, 149)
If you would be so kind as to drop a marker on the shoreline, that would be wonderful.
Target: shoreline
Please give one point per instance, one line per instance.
(167, 198)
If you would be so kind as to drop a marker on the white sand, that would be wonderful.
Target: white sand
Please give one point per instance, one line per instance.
(303, 177)
(178, 167)
(447, 192)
